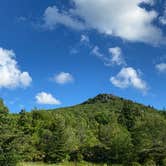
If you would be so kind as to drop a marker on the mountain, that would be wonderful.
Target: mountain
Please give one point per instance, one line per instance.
(103, 98)
(103, 129)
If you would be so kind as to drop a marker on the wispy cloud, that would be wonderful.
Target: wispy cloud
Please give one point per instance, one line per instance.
(161, 67)
(85, 38)
(52, 17)
(114, 56)
(162, 18)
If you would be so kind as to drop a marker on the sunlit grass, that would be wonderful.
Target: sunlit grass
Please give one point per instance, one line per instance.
(62, 164)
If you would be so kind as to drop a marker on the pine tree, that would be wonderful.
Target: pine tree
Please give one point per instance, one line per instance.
(8, 155)
(56, 142)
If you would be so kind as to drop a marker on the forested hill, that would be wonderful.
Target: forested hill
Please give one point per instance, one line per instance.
(104, 129)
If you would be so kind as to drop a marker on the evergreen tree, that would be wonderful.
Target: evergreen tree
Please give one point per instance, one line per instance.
(8, 155)
(55, 142)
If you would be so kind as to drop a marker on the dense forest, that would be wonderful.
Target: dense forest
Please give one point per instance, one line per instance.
(104, 129)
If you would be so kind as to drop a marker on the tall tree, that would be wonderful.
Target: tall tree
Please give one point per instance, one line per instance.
(8, 154)
(54, 141)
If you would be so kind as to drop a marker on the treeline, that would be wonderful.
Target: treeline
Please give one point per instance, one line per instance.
(105, 129)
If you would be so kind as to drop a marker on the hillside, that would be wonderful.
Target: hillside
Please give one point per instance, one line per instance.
(104, 129)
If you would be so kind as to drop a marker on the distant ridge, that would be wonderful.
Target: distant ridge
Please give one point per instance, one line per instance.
(103, 98)
(106, 98)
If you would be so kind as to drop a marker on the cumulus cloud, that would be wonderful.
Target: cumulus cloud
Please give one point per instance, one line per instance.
(122, 18)
(63, 78)
(161, 67)
(129, 77)
(10, 74)
(53, 17)
(46, 99)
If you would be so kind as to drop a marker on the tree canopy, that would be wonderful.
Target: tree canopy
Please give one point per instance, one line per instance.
(105, 129)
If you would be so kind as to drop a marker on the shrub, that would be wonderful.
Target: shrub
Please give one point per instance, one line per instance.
(149, 163)
(135, 164)
(163, 163)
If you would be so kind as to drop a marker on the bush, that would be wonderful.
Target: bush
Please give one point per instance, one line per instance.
(149, 163)
(76, 156)
(8, 159)
(135, 164)
(163, 163)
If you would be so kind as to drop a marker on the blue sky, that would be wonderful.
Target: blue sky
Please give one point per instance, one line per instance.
(57, 53)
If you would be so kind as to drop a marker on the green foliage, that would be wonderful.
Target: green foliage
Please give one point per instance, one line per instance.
(102, 118)
(163, 162)
(9, 158)
(3, 108)
(135, 164)
(129, 115)
(8, 155)
(54, 142)
(105, 129)
(118, 140)
(149, 163)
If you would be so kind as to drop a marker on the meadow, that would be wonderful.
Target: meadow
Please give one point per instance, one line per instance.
(63, 164)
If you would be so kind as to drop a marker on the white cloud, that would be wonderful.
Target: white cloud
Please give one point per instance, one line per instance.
(161, 67)
(122, 18)
(96, 51)
(10, 74)
(74, 51)
(46, 99)
(84, 38)
(53, 17)
(117, 57)
(129, 77)
(162, 19)
(63, 78)
(21, 19)
(104, 58)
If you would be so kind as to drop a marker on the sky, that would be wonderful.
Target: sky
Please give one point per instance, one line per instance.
(60, 53)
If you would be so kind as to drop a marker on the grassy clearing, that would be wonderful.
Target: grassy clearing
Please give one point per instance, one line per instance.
(63, 164)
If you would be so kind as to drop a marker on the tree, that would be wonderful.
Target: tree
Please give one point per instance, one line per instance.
(149, 138)
(54, 142)
(118, 140)
(8, 155)
(24, 122)
(129, 115)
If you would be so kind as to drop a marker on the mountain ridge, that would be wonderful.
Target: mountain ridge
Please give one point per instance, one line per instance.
(106, 97)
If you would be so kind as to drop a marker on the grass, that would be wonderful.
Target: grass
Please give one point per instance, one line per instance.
(63, 164)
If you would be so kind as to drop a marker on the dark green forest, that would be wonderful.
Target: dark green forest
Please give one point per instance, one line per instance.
(104, 129)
